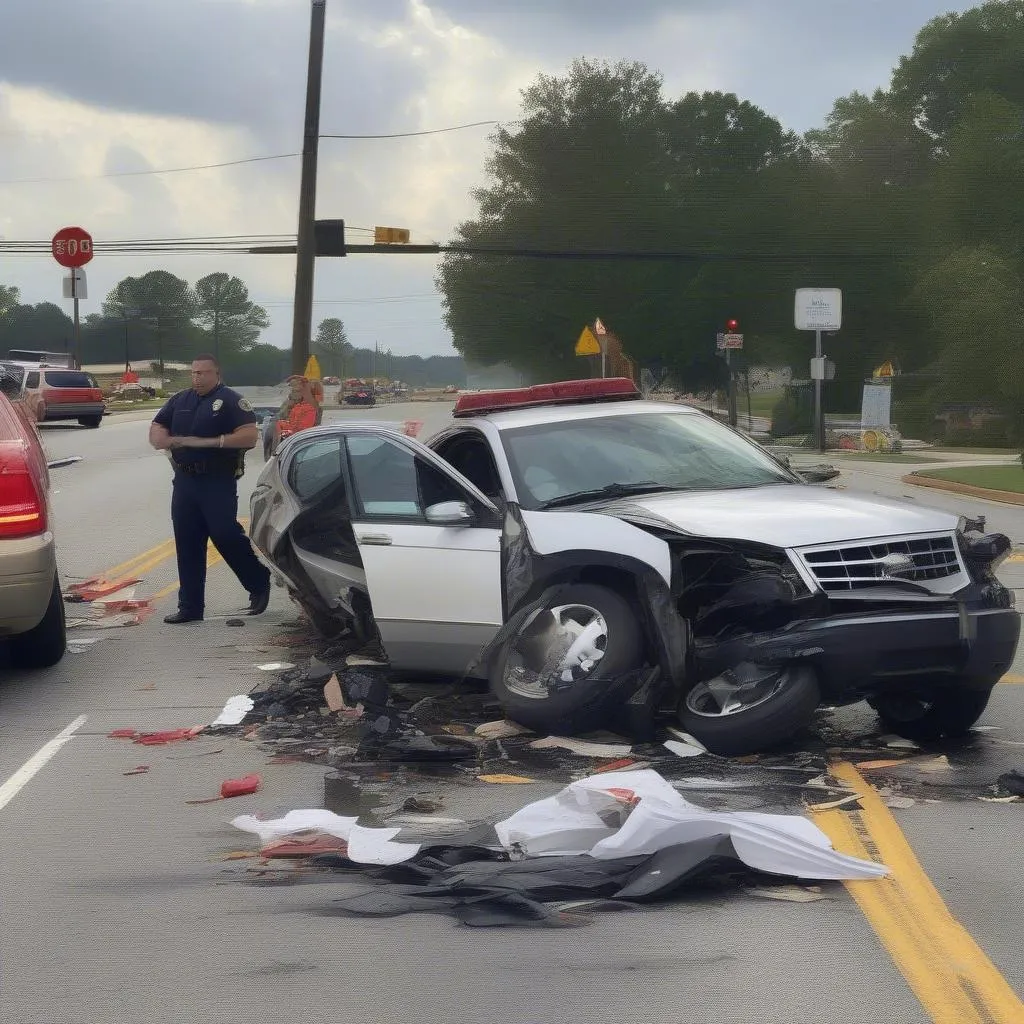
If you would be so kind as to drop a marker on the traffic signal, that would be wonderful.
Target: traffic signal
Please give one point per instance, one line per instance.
(329, 237)
(732, 326)
(390, 236)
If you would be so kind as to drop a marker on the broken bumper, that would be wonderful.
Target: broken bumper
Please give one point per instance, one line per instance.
(859, 654)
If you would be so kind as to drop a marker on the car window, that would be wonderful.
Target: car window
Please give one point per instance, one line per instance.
(677, 451)
(390, 482)
(69, 379)
(315, 468)
(471, 456)
(12, 379)
(32, 380)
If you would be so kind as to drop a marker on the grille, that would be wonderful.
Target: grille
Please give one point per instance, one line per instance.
(853, 567)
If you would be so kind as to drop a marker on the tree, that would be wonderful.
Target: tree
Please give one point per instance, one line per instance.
(223, 307)
(9, 298)
(956, 57)
(164, 302)
(332, 343)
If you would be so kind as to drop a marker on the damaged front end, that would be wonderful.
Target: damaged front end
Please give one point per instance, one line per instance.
(919, 626)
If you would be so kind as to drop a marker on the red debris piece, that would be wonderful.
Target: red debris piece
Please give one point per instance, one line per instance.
(141, 769)
(304, 846)
(153, 739)
(122, 734)
(96, 587)
(240, 787)
(615, 766)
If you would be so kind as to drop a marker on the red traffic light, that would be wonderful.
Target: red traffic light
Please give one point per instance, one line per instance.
(732, 326)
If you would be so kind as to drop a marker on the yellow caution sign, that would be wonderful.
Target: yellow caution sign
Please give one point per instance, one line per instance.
(312, 369)
(587, 343)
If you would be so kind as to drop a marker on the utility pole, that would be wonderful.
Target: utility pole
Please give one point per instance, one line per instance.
(302, 327)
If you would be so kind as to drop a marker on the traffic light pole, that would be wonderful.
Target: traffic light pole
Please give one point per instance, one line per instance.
(305, 250)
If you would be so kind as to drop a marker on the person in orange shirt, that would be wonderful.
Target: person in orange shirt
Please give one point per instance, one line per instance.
(303, 412)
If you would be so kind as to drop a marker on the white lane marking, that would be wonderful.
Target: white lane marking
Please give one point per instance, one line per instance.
(24, 775)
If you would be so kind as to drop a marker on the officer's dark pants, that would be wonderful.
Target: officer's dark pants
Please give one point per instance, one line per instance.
(206, 508)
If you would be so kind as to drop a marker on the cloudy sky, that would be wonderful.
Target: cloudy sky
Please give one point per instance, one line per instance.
(90, 91)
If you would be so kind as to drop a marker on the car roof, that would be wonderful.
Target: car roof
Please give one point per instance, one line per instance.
(541, 414)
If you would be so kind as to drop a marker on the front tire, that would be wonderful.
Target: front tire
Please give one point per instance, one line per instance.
(948, 711)
(90, 421)
(43, 645)
(563, 669)
(750, 708)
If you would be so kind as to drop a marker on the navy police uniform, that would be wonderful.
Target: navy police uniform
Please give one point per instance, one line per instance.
(204, 505)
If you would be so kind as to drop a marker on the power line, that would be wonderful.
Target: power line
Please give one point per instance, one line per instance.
(162, 170)
(409, 135)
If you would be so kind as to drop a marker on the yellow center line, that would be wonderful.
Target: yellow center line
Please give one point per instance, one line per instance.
(213, 556)
(1012, 679)
(951, 976)
(142, 562)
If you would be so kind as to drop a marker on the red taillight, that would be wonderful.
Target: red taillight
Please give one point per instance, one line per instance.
(22, 505)
(604, 389)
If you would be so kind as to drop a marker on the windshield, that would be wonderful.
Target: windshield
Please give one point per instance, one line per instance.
(644, 453)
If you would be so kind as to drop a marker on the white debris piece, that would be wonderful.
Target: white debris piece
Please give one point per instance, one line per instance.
(684, 749)
(275, 666)
(235, 710)
(365, 845)
(632, 813)
(582, 747)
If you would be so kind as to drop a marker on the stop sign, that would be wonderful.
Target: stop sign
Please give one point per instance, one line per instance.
(72, 247)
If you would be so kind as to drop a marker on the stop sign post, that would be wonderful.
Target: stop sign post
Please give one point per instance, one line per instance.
(72, 248)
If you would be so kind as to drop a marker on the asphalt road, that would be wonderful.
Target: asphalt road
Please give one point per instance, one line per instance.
(118, 905)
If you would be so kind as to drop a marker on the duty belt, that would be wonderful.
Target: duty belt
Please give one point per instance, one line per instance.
(205, 469)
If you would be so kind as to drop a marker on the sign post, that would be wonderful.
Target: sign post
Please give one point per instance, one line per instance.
(818, 309)
(72, 248)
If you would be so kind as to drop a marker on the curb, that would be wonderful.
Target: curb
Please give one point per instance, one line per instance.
(1007, 497)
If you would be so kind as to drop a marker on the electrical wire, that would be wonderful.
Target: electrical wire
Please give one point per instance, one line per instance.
(162, 170)
(410, 135)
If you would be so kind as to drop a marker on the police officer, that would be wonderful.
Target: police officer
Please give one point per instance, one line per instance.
(207, 430)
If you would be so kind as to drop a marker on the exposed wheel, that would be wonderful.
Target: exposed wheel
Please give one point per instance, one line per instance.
(45, 644)
(90, 421)
(565, 665)
(947, 711)
(750, 707)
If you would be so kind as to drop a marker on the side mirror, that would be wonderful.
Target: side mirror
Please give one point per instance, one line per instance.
(450, 513)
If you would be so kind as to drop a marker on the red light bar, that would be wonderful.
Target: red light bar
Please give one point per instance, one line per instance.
(606, 389)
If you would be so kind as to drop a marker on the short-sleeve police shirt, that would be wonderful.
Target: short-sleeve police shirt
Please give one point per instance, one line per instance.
(221, 411)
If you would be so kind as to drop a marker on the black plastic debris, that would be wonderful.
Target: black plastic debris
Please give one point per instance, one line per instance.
(482, 888)
(1012, 783)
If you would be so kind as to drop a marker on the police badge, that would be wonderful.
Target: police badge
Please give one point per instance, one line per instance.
(218, 404)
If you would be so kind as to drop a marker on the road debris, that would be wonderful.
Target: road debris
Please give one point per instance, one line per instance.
(97, 587)
(506, 780)
(899, 743)
(899, 802)
(140, 769)
(684, 749)
(583, 747)
(1011, 783)
(275, 666)
(229, 788)
(235, 710)
(501, 730)
(606, 842)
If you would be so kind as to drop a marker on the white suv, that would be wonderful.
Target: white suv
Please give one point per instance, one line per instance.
(584, 549)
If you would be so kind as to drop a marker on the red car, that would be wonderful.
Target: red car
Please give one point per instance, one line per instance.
(66, 395)
(31, 605)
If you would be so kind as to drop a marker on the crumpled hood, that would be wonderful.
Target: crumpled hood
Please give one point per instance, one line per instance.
(787, 515)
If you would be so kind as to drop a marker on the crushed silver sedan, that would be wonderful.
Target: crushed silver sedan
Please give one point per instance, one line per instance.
(589, 552)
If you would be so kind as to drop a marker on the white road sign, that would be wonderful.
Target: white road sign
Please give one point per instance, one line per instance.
(81, 288)
(818, 309)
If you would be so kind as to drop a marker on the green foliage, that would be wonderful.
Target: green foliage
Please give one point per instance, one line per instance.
(331, 344)
(223, 308)
(908, 200)
(793, 413)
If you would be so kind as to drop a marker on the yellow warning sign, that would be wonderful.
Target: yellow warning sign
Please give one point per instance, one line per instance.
(312, 369)
(587, 343)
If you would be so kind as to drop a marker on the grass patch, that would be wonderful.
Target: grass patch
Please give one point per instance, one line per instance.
(150, 403)
(905, 457)
(761, 402)
(995, 478)
(1010, 452)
